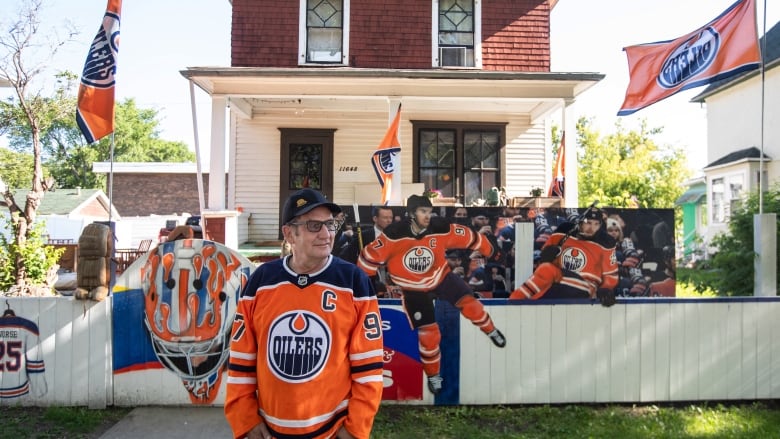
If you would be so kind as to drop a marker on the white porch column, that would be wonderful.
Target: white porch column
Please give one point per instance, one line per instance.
(217, 155)
(571, 188)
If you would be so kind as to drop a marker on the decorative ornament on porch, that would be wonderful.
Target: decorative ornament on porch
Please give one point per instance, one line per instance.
(432, 193)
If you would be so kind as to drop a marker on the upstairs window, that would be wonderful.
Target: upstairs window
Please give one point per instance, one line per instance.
(456, 23)
(324, 30)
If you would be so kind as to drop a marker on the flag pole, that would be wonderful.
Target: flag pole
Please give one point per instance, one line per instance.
(762, 66)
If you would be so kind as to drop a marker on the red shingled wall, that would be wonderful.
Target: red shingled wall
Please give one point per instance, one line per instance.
(394, 34)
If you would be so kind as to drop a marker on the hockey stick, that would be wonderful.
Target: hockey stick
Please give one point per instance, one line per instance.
(357, 224)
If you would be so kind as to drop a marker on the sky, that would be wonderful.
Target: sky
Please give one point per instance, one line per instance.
(159, 39)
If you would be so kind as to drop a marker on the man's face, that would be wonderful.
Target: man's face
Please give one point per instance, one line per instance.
(589, 227)
(309, 245)
(480, 220)
(423, 216)
(383, 218)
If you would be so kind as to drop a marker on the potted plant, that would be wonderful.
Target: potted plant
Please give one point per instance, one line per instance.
(536, 192)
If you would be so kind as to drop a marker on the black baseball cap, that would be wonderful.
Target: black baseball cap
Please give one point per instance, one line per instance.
(303, 201)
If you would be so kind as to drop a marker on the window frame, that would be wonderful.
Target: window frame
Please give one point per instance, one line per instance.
(435, 62)
(460, 129)
(303, 34)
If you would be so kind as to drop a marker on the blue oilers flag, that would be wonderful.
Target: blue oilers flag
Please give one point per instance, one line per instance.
(559, 172)
(724, 47)
(95, 111)
(387, 161)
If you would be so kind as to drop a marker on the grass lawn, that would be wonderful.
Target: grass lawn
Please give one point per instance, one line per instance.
(759, 420)
(738, 420)
(57, 422)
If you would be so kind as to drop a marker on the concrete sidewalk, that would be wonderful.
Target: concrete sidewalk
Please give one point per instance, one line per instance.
(171, 423)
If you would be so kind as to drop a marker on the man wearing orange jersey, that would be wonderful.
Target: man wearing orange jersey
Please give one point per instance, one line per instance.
(577, 261)
(306, 348)
(414, 253)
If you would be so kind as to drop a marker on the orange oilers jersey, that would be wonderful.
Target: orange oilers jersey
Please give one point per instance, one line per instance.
(418, 263)
(305, 353)
(595, 264)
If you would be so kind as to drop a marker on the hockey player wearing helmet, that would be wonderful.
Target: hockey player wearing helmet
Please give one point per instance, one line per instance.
(577, 261)
(414, 252)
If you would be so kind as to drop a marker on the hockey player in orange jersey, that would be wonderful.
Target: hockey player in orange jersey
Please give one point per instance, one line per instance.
(306, 347)
(577, 261)
(414, 253)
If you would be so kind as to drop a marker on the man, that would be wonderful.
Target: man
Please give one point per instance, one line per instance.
(577, 261)
(382, 216)
(414, 254)
(306, 348)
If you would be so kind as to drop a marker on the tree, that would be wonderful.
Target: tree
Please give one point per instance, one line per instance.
(628, 167)
(136, 139)
(17, 168)
(18, 47)
(732, 263)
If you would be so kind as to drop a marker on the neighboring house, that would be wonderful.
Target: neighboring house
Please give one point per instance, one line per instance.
(694, 219)
(67, 211)
(313, 84)
(143, 189)
(734, 137)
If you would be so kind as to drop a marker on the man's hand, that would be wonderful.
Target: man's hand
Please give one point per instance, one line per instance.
(259, 431)
(344, 434)
(606, 297)
(549, 253)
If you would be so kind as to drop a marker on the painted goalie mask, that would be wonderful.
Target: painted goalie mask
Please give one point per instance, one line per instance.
(191, 288)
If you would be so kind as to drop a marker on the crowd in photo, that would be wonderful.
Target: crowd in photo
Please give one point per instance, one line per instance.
(643, 240)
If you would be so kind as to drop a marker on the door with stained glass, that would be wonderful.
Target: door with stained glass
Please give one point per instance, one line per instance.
(306, 162)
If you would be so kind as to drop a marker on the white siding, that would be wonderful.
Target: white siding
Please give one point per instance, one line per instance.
(257, 168)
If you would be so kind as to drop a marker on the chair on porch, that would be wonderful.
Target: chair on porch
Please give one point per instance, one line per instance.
(126, 256)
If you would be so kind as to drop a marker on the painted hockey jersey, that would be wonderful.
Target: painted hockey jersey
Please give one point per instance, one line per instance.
(21, 363)
(418, 263)
(595, 264)
(306, 352)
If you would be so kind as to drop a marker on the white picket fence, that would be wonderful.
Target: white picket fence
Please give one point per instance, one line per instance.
(648, 350)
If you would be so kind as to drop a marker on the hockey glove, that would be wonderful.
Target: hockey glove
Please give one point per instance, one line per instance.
(549, 253)
(565, 227)
(606, 297)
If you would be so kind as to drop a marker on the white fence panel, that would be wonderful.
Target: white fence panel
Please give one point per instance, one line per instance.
(642, 351)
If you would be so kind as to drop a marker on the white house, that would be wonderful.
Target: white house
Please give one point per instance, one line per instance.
(742, 116)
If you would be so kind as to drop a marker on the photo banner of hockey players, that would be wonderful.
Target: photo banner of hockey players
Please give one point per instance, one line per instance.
(643, 239)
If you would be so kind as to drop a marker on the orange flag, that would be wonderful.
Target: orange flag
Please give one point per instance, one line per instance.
(724, 47)
(95, 112)
(386, 162)
(559, 173)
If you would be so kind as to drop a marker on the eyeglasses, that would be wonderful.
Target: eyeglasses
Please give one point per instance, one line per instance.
(315, 226)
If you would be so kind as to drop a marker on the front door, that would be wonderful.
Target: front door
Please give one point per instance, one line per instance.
(307, 162)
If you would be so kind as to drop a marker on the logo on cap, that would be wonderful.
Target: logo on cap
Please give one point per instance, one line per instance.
(301, 202)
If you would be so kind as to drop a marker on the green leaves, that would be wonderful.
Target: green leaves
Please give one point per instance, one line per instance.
(628, 166)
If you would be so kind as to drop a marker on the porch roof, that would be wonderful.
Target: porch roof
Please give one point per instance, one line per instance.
(367, 90)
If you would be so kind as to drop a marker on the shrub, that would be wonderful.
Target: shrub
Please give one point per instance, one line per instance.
(37, 257)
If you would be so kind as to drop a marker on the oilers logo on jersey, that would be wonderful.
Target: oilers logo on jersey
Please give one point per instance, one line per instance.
(299, 343)
(418, 259)
(573, 259)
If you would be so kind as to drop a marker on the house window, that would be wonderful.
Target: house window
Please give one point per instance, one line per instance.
(324, 31)
(457, 33)
(718, 202)
(735, 198)
(459, 160)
